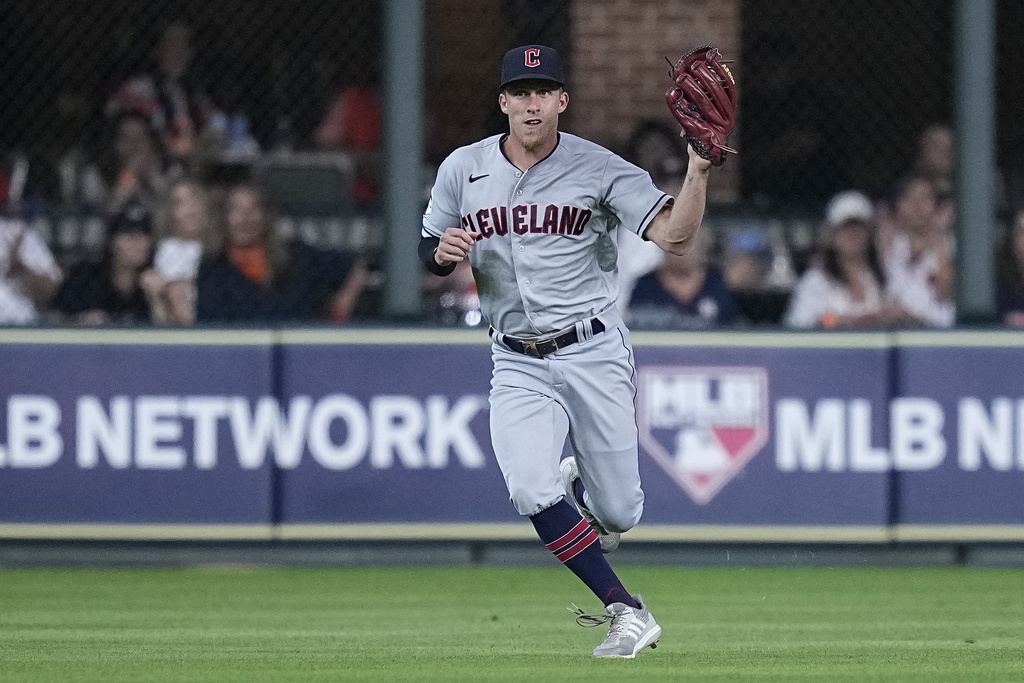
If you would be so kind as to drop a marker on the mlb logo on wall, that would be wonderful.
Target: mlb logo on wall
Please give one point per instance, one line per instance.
(702, 425)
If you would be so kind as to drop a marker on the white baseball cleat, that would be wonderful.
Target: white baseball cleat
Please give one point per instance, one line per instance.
(630, 632)
(571, 474)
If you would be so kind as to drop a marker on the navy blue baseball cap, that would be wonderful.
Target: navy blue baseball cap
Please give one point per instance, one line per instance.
(532, 61)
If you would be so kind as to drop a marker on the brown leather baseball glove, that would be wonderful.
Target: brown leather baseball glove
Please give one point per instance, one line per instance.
(703, 101)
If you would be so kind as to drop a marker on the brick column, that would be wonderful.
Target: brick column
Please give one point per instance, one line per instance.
(619, 73)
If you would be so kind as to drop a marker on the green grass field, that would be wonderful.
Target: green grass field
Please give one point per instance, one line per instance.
(236, 624)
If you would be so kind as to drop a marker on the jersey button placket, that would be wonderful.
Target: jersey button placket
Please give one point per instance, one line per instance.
(517, 189)
(520, 267)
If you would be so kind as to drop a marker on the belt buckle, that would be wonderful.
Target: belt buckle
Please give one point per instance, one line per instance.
(530, 347)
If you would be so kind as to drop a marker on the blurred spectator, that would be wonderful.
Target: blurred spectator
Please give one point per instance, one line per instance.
(29, 275)
(1010, 275)
(136, 164)
(183, 227)
(758, 268)
(110, 291)
(453, 301)
(82, 185)
(67, 157)
(636, 257)
(255, 277)
(917, 247)
(25, 184)
(935, 159)
(745, 259)
(186, 120)
(5, 188)
(354, 125)
(684, 292)
(658, 149)
(757, 257)
(845, 287)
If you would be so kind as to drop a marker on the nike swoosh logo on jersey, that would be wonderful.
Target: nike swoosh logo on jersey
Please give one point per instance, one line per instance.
(473, 178)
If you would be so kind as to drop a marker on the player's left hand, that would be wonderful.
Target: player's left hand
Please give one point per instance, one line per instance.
(697, 162)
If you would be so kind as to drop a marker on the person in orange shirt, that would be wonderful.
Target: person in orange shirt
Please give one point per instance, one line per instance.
(354, 125)
(256, 277)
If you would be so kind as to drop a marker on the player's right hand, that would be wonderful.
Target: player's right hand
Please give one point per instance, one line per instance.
(454, 246)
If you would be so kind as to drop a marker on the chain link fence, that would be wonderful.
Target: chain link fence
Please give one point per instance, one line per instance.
(106, 107)
(836, 95)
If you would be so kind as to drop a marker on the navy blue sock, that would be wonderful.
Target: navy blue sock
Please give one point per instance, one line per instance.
(575, 544)
(577, 492)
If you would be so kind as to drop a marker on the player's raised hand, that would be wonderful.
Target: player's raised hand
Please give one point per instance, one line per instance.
(697, 162)
(454, 247)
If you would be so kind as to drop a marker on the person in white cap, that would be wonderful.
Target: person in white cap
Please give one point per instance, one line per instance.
(845, 287)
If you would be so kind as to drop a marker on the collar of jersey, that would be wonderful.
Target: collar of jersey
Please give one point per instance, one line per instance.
(501, 148)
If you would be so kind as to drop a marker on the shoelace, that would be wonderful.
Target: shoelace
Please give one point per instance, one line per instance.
(618, 628)
(589, 620)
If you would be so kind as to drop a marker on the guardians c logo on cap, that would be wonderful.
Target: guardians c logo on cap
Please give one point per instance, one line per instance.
(532, 62)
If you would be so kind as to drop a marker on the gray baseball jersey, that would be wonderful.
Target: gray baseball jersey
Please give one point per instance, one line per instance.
(545, 258)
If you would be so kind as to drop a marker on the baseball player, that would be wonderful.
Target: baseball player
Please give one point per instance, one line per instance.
(535, 210)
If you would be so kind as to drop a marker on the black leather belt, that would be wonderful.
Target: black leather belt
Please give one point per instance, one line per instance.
(538, 348)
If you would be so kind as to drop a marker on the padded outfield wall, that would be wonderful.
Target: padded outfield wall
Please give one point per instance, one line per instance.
(383, 434)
